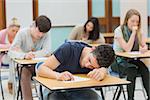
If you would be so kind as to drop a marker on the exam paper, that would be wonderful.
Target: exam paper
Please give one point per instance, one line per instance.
(78, 79)
(40, 58)
(135, 52)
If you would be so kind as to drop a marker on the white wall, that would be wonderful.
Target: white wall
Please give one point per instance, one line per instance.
(141, 6)
(64, 12)
(21, 9)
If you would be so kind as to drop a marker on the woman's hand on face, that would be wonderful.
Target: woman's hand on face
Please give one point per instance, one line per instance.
(98, 74)
(65, 76)
(134, 29)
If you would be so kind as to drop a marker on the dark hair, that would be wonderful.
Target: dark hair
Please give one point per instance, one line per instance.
(105, 55)
(43, 23)
(94, 34)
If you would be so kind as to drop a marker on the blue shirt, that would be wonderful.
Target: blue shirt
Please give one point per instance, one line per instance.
(68, 55)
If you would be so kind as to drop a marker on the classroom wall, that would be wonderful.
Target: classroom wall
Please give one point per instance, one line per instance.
(98, 8)
(148, 7)
(115, 8)
(21, 9)
(59, 35)
(64, 12)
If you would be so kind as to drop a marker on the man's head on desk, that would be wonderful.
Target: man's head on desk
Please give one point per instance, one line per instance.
(96, 57)
(77, 58)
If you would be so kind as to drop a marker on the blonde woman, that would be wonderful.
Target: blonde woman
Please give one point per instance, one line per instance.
(128, 37)
(6, 38)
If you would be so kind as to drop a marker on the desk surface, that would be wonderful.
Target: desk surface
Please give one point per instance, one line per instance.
(94, 44)
(25, 61)
(55, 85)
(134, 55)
(3, 50)
(148, 40)
(111, 35)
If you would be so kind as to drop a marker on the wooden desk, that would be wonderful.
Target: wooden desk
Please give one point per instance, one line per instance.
(95, 45)
(108, 35)
(55, 85)
(134, 55)
(148, 40)
(19, 64)
(26, 62)
(3, 50)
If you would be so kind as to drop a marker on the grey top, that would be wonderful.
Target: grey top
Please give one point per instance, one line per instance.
(78, 32)
(23, 44)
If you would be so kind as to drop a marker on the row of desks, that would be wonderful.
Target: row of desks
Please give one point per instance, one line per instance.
(55, 85)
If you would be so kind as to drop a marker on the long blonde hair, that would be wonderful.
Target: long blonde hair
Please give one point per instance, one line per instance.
(129, 14)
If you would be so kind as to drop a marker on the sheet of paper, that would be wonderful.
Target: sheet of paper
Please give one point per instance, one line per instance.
(135, 52)
(77, 79)
(40, 58)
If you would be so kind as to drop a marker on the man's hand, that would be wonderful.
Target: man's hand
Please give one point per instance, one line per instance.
(29, 55)
(65, 76)
(98, 74)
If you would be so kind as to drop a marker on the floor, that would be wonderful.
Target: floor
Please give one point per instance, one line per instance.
(108, 91)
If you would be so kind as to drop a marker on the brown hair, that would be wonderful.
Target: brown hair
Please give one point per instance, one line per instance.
(129, 14)
(43, 23)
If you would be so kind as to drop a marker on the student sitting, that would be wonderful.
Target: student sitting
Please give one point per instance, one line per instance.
(89, 33)
(6, 38)
(29, 43)
(77, 58)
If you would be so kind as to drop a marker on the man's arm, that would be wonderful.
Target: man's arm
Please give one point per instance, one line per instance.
(47, 70)
(15, 49)
(98, 74)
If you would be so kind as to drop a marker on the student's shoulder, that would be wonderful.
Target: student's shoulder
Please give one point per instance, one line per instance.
(24, 30)
(118, 28)
(79, 27)
(78, 44)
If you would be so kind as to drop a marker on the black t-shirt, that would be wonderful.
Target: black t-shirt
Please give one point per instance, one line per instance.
(68, 55)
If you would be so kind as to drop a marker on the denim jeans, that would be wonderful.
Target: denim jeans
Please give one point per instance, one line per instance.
(83, 94)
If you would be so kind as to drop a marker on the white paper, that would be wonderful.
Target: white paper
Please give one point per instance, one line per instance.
(41, 58)
(135, 52)
(78, 79)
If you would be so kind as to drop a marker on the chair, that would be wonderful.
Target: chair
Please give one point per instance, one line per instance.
(1, 86)
(117, 74)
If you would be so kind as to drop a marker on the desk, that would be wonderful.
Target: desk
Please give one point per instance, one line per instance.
(134, 55)
(3, 50)
(55, 85)
(95, 45)
(148, 40)
(18, 63)
(108, 37)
